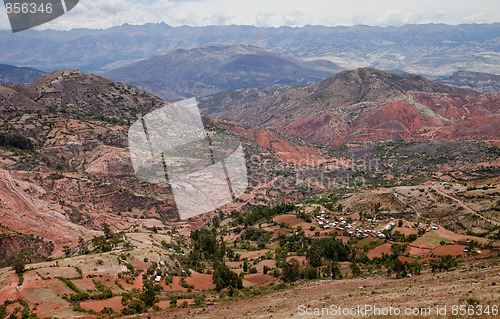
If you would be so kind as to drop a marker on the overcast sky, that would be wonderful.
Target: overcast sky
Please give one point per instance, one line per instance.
(272, 13)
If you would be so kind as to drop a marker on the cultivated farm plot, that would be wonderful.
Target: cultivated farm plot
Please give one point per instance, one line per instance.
(97, 305)
(378, 251)
(52, 272)
(269, 263)
(84, 284)
(430, 240)
(454, 250)
(433, 238)
(200, 281)
(292, 221)
(368, 241)
(257, 279)
(8, 286)
(50, 304)
(418, 251)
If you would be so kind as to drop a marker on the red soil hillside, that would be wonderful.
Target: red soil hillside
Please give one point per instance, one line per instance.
(368, 104)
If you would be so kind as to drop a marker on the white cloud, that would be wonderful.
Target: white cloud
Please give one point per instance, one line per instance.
(398, 18)
(219, 18)
(477, 17)
(295, 18)
(265, 19)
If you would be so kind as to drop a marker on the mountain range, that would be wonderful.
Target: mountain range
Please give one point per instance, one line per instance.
(433, 49)
(65, 167)
(13, 74)
(364, 104)
(71, 169)
(202, 71)
(371, 154)
(477, 81)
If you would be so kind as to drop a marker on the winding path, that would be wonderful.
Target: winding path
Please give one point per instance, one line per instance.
(467, 208)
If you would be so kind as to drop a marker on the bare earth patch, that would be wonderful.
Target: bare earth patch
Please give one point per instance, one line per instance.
(97, 305)
(427, 290)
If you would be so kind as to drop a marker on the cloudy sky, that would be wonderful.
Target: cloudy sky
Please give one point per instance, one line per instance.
(272, 13)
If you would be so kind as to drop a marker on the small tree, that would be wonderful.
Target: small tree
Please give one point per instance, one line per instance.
(148, 294)
(266, 269)
(291, 271)
(106, 230)
(444, 263)
(336, 273)
(310, 273)
(414, 267)
(280, 256)
(314, 254)
(332, 270)
(19, 267)
(224, 277)
(398, 249)
(398, 267)
(356, 271)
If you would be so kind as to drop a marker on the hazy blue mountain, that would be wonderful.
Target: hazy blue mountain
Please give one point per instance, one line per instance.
(477, 81)
(432, 49)
(13, 74)
(203, 71)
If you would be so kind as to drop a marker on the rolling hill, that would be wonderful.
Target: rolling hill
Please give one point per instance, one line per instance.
(432, 50)
(65, 167)
(65, 161)
(80, 236)
(13, 74)
(367, 104)
(202, 71)
(477, 81)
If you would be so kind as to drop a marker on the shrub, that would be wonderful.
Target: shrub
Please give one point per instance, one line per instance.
(16, 141)
(19, 267)
(310, 273)
(265, 269)
(356, 271)
(224, 277)
(444, 263)
(291, 271)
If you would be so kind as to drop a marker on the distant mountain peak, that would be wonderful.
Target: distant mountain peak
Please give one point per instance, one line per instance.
(369, 104)
(477, 81)
(218, 68)
(14, 74)
(83, 94)
(368, 84)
